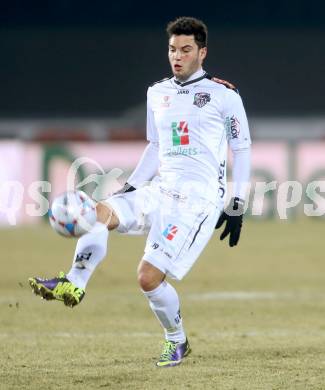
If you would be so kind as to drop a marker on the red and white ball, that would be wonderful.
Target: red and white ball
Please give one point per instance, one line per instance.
(72, 214)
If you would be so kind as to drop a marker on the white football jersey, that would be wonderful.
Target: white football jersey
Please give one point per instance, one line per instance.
(193, 122)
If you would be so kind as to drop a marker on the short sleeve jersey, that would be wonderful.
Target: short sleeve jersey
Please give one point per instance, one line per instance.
(193, 122)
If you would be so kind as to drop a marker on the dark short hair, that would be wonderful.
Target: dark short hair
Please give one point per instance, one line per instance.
(186, 25)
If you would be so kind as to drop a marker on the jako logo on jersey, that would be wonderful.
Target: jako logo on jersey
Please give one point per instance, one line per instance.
(170, 232)
(180, 133)
(183, 92)
(201, 99)
(233, 127)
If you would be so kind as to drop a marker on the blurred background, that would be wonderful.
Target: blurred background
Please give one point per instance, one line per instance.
(74, 75)
(73, 81)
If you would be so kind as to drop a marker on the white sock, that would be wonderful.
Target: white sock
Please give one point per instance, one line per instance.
(90, 251)
(164, 302)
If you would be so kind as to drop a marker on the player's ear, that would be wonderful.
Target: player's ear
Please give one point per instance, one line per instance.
(203, 53)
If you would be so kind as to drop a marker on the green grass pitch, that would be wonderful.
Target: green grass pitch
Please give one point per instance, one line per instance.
(254, 315)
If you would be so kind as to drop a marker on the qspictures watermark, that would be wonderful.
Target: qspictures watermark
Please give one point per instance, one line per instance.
(287, 195)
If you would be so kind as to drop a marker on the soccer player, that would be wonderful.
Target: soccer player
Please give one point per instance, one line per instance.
(191, 119)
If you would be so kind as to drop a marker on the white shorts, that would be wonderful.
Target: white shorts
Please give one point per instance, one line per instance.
(179, 226)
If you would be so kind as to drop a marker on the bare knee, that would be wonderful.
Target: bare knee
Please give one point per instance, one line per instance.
(107, 216)
(149, 277)
(146, 282)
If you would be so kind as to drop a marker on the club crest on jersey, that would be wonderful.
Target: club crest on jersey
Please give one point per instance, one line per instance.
(201, 99)
(170, 232)
(180, 133)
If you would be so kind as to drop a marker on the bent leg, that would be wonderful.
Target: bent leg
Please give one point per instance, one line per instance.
(91, 248)
(107, 216)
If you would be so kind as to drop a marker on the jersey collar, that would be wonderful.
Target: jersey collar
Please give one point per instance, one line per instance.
(195, 77)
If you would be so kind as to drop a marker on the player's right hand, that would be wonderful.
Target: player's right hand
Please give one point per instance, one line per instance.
(126, 188)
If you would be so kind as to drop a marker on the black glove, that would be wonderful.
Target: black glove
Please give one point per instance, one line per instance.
(233, 215)
(126, 188)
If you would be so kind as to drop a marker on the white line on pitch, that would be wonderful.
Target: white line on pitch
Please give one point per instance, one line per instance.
(225, 296)
(252, 295)
(210, 334)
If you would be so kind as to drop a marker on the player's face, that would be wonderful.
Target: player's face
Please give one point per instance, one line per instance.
(185, 57)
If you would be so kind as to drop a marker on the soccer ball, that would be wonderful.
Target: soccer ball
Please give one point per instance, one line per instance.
(72, 214)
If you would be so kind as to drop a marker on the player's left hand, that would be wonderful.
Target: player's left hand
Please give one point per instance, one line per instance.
(233, 215)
